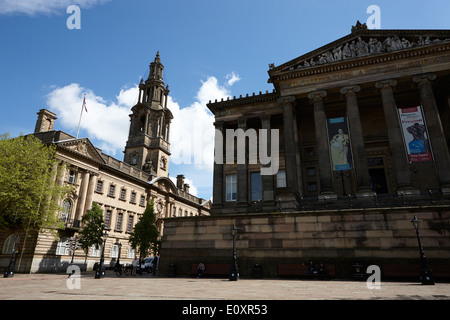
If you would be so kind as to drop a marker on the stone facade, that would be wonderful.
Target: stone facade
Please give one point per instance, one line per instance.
(364, 80)
(340, 237)
(350, 179)
(122, 189)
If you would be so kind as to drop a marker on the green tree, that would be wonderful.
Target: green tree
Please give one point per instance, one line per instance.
(29, 194)
(93, 227)
(144, 236)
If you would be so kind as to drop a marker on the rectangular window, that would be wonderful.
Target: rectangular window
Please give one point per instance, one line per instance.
(112, 190)
(119, 221)
(133, 197)
(281, 179)
(311, 172)
(108, 219)
(255, 186)
(62, 248)
(231, 187)
(131, 252)
(99, 187)
(123, 193)
(95, 251)
(142, 203)
(72, 176)
(130, 224)
(115, 251)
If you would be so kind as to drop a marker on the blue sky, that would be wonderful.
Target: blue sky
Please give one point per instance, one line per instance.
(210, 49)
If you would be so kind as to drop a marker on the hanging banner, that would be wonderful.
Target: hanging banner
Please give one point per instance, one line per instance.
(415, 134)
(341, 158)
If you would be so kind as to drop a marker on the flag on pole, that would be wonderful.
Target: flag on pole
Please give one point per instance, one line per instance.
(84, 103)
(85, 108)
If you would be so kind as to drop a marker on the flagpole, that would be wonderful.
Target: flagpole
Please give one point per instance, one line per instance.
(81, 113)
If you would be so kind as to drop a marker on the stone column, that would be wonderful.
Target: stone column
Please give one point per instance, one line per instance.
(395, 135)
(287, 103)
(357, 142)
(242, 174)
(323, 150)
(267, 180)
(82, 195)
(436, 132)
(90, 191)
(218, 180)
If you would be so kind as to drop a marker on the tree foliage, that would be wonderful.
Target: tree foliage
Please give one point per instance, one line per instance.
(144, 236)
(93, 227)
(29, 194)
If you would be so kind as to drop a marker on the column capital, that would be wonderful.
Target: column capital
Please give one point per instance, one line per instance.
(350, 89)
(383, 83)
(317, 95)
(425, 76)
(265, 119)
(218, 125)
(242, 122)
(286, 100)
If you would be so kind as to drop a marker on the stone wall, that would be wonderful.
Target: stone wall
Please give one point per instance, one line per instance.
(341, 237)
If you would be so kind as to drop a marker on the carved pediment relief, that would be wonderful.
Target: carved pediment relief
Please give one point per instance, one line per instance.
(364, 43)
(83, 147)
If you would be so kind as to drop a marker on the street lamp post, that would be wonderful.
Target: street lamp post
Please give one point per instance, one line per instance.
(426, 274)
(234, 271)
(100, 272)
(12, 262)
(118, 257)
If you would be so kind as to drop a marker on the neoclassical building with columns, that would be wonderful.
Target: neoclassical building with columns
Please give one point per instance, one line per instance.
(364, 116)
(122, 188)
(362, 148)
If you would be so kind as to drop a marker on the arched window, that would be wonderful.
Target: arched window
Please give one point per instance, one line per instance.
(66, 210)
(10, 244)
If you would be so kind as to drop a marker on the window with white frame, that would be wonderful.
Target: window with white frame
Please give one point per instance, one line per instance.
(66, 210)
(231, 187)
(281, 179)
(95, 251)
(131, 253)
(115, 251)
(61, 247)
(10, 244)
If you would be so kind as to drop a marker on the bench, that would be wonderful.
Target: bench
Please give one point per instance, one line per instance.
(301, 270)
(412, 271)
(213, 269)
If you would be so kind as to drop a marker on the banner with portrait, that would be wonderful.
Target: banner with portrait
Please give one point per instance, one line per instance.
(415, 134)
(339, 138)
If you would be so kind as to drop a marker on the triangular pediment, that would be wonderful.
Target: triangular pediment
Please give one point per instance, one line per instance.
(362, 43)
(82, 147)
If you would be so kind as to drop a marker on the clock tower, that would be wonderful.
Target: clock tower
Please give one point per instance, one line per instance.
(148, 146)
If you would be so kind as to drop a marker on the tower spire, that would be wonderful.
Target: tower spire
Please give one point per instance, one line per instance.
(148, 146)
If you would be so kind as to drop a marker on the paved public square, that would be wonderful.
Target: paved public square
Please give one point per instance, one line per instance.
(146, 287)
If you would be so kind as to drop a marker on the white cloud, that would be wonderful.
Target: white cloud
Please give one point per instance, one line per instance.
(232, 78)
(33, 7)
(192, 129)
(107, 122)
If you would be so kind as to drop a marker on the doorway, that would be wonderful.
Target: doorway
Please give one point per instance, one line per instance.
(378, 181)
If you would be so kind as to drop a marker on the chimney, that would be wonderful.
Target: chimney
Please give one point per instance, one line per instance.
(45, 122)
(186, 188)
(180, 181)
